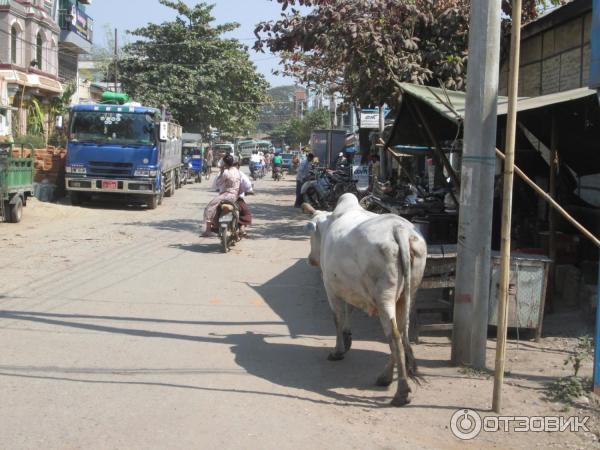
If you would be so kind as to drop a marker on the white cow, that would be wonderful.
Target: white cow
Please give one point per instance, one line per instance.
(375, 263)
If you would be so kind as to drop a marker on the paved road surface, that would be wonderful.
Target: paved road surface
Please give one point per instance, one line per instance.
(121, 328)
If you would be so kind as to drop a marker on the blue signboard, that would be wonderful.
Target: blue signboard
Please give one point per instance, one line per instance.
(81, 23)
(595, 62)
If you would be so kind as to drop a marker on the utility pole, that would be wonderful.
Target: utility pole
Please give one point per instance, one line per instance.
(477, 188)
(116, 61)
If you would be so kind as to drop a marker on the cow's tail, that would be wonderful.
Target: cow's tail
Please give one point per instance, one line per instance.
(404, 255)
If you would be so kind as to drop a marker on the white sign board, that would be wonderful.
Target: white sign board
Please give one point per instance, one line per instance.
(361, 175)
(369, 119)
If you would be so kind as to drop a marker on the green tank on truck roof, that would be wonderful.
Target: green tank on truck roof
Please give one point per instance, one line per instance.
(116, 98)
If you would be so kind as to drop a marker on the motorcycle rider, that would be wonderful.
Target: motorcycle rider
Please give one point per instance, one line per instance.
(341, 161)
(277, 163)
(303, 170)
(228, 184)
(255, 162)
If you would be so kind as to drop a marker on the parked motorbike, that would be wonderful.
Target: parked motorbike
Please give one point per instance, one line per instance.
(322, 188)
(228, 225)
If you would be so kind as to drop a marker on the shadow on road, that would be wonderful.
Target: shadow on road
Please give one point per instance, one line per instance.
(289, 365)
(297, 296)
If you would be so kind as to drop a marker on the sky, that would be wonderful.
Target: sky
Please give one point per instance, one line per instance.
(131, 14)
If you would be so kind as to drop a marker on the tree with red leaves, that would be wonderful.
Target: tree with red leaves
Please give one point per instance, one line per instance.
(365, 48)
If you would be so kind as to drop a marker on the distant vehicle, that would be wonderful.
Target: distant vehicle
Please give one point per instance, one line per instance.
(287, 160)
(194, 153)
(118, 147)
(245, 149)
(220, 150)
(264, 146)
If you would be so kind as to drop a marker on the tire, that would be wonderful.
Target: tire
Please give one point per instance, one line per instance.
(7, 212)
(225, 239)
(152, 201)
(177, 179)
(75, 198)
(16, 210)
(169, 192)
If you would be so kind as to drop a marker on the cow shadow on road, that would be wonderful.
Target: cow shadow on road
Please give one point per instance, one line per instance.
(300, 367)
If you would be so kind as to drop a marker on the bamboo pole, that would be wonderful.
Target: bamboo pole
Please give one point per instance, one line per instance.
(553, 203)
(509, 163)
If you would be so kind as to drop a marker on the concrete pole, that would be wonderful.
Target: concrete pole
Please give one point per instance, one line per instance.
(477, 188)
(383, 165)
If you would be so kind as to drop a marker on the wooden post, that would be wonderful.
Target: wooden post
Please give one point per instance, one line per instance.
(551, 213)
(438, 149)
(509, 163)
(553, 203)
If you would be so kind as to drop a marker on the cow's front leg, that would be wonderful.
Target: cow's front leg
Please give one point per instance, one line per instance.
(343, 338)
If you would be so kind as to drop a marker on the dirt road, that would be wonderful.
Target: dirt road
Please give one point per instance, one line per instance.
(121, 328)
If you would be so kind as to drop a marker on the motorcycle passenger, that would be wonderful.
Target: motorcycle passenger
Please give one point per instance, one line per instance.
(228, 184)
(245, 189)
(303, 170)
(277, 163)
(255, 162)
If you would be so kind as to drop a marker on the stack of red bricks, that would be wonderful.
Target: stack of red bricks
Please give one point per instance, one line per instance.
(49, 165)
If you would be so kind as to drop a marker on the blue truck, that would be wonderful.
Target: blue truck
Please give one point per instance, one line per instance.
(122, 148)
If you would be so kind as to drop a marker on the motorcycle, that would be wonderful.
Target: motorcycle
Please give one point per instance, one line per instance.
(322, 188)
(184, 172)
(228, 225)
(277, 175)
(256, 171)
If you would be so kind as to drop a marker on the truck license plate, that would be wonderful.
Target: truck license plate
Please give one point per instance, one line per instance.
(109, 184)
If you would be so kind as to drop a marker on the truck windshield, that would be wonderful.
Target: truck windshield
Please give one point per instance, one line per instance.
(112, 127)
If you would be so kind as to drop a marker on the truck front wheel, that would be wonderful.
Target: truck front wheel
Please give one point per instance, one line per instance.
(152, 201)
(16, 210)
(75, 198)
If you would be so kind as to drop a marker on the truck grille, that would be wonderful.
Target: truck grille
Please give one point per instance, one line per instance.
(110, 168)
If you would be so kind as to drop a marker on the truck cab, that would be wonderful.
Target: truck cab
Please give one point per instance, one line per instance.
(122, 149)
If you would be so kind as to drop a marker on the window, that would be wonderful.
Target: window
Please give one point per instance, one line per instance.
(39, 51)
(113, 127)
(14, 35)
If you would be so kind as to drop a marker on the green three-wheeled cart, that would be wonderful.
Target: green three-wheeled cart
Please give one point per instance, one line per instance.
(16, 182)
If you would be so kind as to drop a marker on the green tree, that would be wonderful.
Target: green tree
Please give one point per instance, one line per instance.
(278, 110)
(201, 77)
(298, 130)
(365, 48)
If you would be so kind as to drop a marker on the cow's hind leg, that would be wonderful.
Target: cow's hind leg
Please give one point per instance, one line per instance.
(341, 316)
(390, 327)
(387, 376)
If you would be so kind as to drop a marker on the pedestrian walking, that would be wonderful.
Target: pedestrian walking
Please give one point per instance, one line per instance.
(303, 170)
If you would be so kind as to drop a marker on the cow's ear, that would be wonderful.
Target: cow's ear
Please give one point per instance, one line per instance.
(310, 227)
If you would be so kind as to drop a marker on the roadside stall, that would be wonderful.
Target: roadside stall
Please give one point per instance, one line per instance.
(422, 178)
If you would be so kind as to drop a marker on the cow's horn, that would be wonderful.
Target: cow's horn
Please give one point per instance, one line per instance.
(308, 209)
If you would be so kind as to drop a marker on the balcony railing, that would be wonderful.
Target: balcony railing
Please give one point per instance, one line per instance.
(76, 21)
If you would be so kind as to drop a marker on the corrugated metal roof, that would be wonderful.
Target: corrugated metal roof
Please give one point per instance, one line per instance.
(451, 104)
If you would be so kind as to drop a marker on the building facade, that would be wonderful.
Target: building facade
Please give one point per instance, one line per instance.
(76, 36)
(555, 52)
(28, 62)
